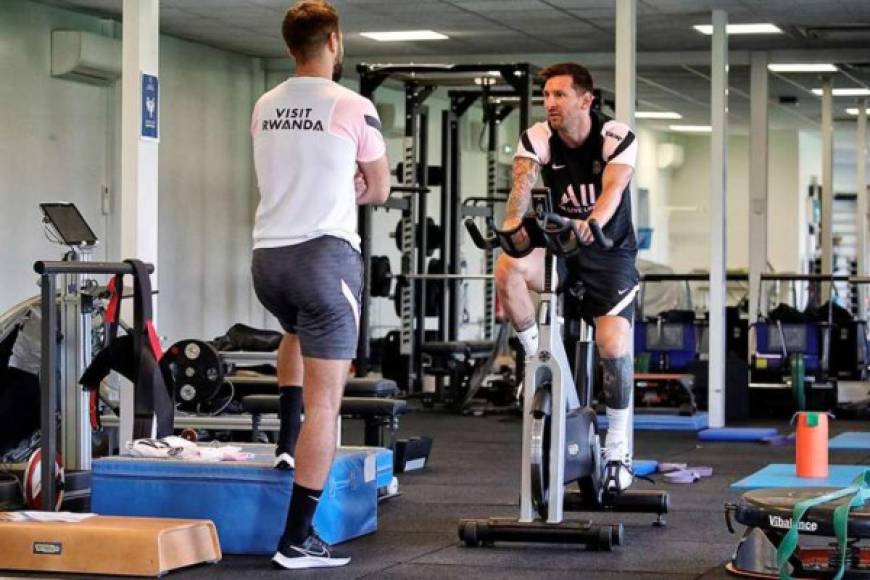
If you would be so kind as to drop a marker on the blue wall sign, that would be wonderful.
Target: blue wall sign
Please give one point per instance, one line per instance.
(150, 108)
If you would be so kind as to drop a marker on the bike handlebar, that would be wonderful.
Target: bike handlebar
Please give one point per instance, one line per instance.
(545, 230)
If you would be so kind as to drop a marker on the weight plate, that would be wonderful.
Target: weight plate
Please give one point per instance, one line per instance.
(195, 371)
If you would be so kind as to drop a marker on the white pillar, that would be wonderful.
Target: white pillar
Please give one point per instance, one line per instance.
(827, 182)
(259, 80)
(138, 152)
(718, 215)
(626, 70)
(861, 190)
(758, 169)
(141, 37)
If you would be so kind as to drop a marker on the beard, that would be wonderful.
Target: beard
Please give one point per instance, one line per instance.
(336, 71)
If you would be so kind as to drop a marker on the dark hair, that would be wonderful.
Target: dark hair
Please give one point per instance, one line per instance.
(580, 76)
(307, 26)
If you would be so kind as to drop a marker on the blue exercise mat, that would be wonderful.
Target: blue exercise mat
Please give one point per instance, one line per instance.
(643, 422)
(737, 434)
(850, 440)
(783, 475)
(644, 466)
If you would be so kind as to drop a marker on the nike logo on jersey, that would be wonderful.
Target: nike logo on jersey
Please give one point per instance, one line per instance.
(557, 167)
(622, 292)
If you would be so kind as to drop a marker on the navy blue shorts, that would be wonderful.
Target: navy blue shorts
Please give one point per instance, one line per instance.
(610, 283)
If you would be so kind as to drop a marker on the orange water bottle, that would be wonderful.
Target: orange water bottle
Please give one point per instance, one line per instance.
(812, 445)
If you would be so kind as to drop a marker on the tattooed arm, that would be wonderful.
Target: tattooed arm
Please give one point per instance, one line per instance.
(526, 173)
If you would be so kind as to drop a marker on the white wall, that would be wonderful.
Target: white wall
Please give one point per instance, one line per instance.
(786, 204)
(658, 182)
(60, 141)
(689, 228)
(52, 142)
(206, 197)
(844, 155)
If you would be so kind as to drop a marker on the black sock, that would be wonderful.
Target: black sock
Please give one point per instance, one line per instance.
(303, 504)
(291, 419)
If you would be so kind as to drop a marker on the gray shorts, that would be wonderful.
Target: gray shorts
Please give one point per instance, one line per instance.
(314, 290)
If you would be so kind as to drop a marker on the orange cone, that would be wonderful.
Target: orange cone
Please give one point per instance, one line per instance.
(812, 445)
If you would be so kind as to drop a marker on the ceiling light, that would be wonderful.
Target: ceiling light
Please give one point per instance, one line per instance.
(855, 92)
(404, 35)
(760, 28)
(657, 115)
(854, 111)
(802, 68)
(691, 128)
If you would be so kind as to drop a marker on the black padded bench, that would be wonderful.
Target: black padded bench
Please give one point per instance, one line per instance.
(380, 415)
(465, 363)
(355, 386)
(370, 387)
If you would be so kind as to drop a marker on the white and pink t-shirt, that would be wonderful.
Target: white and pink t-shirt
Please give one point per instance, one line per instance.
(309, 133)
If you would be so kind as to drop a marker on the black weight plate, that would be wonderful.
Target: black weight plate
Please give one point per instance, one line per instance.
(195, 369)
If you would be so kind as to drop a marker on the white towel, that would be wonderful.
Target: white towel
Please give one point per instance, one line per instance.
(173, 447)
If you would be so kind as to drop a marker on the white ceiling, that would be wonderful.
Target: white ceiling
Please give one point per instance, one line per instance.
(492, 29)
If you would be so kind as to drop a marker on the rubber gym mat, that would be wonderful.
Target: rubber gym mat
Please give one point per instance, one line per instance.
(736, 434)
(643, 422)
(783, 475)
(644, 466)
(850, 440)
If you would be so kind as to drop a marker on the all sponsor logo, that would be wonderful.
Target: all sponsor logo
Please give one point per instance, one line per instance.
(571, 201)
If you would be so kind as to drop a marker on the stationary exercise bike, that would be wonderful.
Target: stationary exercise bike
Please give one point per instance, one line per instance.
(561, 442)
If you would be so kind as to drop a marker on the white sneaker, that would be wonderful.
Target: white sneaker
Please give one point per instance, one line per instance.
(284, 461)
(312, 553)
(618, 475)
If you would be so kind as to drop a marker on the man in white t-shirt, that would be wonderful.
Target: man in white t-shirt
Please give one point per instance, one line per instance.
(318, 153)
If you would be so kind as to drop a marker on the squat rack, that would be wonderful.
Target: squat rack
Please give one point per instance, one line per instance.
(491, 82)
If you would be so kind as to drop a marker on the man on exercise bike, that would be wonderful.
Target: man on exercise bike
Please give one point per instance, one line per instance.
(586, 160)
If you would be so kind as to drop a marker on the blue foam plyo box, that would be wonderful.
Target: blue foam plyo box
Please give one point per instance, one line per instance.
(383, 463)
(783, 475)
(850, 440)
(247, 501)
(737, 434)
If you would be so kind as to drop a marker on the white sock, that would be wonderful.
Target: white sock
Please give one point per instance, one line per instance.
(617, 448)
(616, 443)
(529, 339)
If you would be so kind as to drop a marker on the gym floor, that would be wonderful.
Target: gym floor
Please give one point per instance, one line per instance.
(474, 472)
